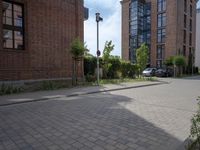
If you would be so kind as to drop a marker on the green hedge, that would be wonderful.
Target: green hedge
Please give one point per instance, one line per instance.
(113, 68)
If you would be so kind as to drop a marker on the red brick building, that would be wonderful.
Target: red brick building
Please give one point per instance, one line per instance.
(168, 27)
(36, 37)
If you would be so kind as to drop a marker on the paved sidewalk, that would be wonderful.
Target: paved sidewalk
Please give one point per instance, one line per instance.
(146, 118)
(46, 95)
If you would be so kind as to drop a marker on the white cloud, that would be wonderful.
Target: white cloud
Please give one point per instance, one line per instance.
(110, 28)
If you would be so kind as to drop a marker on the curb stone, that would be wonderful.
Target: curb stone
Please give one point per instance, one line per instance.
(84, 93)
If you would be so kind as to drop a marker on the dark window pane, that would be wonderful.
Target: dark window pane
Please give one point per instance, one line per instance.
(164, 5)
(159, 63)
(18, 44)
(13, 25)
(163, 35)
(7, 13)
(18, 40)
(184, 50)
(17, 8)
(18, 19)
(8, 39)
(7, 21)
(159, 20)
(18, 22)
(18, 35)
(164, 20)
(7, 6)
(7, 34)
(185, 5)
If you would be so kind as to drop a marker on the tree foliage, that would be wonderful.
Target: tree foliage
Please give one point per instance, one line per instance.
(169, 61)
(77, 48)
(142, 57)
(195, 130)
(128, 70)
(179, 61)
(108, 48)
(107, 65)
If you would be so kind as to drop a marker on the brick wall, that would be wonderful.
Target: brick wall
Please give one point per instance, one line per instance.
(174, 28)
(125, 29)
(50, 27)
(197, 59)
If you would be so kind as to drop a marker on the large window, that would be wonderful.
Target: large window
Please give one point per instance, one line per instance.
(185, 21)
(161, 35)
(190, 39)
(184, 50)
(184, 36)
(190, 24)
(160, 52)
(161, 5)
(160, 55)
(161, 20)
(185, 5)
(191, 10)
(13, 25)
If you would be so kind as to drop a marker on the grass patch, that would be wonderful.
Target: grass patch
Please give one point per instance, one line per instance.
(124, 80)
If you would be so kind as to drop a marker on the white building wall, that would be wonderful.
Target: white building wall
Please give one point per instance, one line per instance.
(197, 55)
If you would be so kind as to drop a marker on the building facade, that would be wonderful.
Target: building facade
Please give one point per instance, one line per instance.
(167, 26)
(197, 50)
(36, 37)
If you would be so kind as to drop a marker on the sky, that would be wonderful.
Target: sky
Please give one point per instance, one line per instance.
(109, 29)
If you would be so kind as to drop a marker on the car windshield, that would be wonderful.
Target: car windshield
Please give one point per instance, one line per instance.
(148, 69)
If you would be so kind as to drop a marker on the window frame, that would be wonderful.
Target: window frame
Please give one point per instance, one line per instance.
(13, 27)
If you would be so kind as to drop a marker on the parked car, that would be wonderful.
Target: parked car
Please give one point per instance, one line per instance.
(164, 72)
(148, 72)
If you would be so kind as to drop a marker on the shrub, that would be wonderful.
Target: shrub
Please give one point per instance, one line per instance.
(114, 66)
(90, 64)
(195, 130)
(9, 89)
(128, 70)
(48, 85)
(179, 61)
(90, 78)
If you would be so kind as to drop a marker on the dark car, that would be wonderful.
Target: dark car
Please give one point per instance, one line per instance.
(164, 72)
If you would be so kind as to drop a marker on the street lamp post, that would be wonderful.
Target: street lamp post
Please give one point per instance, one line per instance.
(98, 19)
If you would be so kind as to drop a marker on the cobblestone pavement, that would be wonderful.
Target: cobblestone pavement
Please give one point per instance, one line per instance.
(147, 118)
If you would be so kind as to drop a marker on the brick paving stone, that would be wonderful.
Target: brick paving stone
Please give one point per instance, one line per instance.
(148, 118)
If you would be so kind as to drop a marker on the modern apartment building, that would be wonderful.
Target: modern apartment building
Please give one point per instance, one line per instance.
(197, 50)
(167, 26)
(35, 38)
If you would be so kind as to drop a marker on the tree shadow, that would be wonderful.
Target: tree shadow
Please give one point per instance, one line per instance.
(96, 121)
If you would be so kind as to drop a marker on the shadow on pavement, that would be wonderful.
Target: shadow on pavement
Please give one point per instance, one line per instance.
(95, 121)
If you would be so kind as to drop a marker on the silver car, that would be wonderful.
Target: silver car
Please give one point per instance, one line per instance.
(148, 72)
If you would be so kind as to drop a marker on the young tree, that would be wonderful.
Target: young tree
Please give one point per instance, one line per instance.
(142, 57)
(77, 50)
(180, 62)
(169, 61)
(108, 48)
